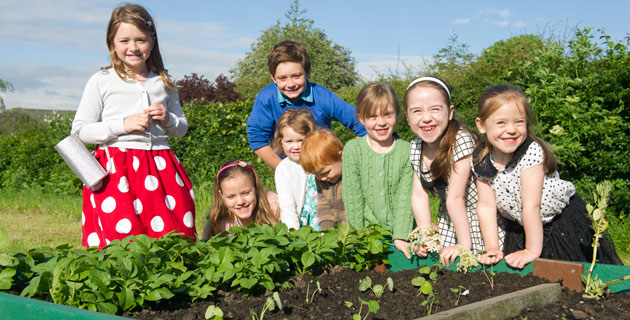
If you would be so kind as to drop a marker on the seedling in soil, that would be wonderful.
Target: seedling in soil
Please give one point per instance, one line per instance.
(376, 289)
(270, 304)
(426, 287)
(318, 290)
(594, 288)
(461, 291)
(431, 300)
(373, 307)
(421, 281)
(492, 273)
(214, 313)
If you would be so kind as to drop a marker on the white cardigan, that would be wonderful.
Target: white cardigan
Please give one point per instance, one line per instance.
(107, 100)
(290, 185)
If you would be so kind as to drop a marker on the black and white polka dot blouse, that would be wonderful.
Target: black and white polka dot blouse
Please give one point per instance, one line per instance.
(506, 183)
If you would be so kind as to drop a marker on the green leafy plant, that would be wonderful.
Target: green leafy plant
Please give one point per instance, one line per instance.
(214, 313)
(430, 302)
(373, 307)
(139, 269)
(594, 288)
(377, 289)
(460, 291)
(270, 304)
(425, 286)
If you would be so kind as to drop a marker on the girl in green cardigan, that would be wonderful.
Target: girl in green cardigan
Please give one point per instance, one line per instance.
(376, 168)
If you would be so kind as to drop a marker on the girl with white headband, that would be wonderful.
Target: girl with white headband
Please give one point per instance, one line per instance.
(440, 157)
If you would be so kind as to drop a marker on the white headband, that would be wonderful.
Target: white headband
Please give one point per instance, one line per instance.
(432, 79)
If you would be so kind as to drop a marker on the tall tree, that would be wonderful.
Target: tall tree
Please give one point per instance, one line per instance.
(332, 64)
(4, 87)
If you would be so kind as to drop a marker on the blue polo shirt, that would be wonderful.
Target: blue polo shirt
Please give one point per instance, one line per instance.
(323, 104)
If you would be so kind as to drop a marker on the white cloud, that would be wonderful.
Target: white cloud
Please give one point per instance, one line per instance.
(499, 17)
(519, 24)
(372, 67)
(53, 23)
(462, 20)
(501, 23)
(46, 87)
(64, 44)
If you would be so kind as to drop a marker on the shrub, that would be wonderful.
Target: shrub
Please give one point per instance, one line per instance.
(194, 88)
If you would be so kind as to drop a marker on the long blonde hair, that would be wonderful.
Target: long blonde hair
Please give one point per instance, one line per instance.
(492, 99)
(141, 19)
(219, 211)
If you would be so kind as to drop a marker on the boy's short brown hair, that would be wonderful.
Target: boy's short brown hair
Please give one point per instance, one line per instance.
(320, 148)
(300, 120)
(289, 51)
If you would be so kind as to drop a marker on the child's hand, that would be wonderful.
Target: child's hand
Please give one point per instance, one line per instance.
(492, 256)
(137, 122)
(520, 258)
(421, 251)
(158, 112)
(402, 246)
(448, 255)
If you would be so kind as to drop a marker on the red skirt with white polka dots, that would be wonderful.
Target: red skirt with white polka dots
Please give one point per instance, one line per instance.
(145, 192)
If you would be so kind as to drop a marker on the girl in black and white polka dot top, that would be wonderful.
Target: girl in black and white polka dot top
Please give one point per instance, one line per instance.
(517, 177)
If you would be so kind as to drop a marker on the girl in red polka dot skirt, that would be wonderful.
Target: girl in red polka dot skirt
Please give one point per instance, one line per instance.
(131, 109)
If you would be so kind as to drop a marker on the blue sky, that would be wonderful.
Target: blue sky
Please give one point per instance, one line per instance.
(49, 49)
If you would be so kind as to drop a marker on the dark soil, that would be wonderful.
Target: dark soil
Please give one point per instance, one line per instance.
(340, 285)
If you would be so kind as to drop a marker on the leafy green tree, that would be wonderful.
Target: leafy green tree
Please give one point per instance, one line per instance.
(332, 64)
(4, 87)
(579, 92)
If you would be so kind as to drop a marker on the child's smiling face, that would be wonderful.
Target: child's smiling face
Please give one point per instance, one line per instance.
(133, 47)
(505, 130)
(379, 125)
(292, 143)
(428, 114)
(291, 79)
(239, 196)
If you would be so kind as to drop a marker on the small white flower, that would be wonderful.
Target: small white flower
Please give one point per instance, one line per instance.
(557, 130)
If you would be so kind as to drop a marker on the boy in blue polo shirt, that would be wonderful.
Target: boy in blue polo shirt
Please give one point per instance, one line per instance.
(290, 67)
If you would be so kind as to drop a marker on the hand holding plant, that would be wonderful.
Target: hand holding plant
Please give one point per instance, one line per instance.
(449, 254)
(467, 260)
(489, 257)
(403, 246)
(424, 240)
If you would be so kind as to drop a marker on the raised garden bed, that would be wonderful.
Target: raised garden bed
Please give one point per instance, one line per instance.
(339, 285)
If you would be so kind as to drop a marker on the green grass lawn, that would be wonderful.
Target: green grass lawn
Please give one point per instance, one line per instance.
(34, 219)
